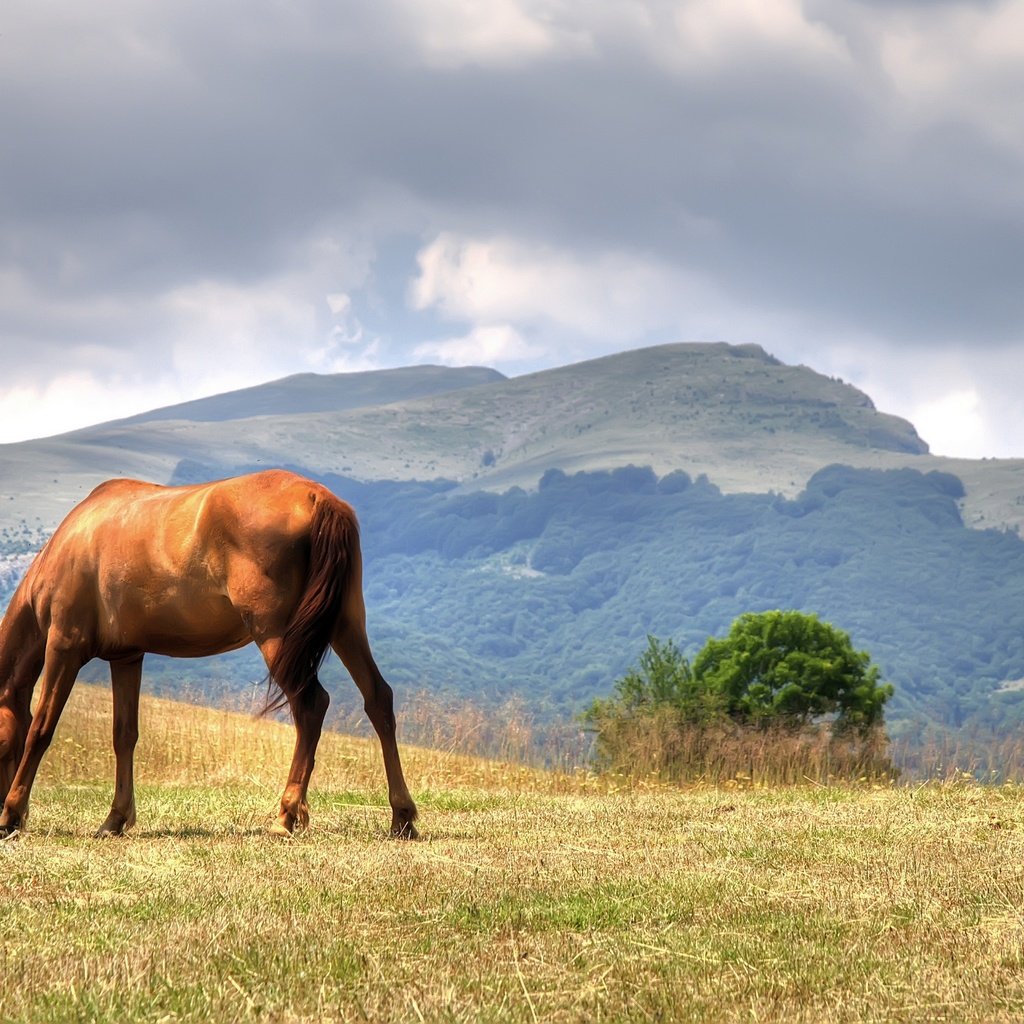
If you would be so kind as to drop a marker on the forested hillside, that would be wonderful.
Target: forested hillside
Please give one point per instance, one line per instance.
(549, 594)
(537, 565)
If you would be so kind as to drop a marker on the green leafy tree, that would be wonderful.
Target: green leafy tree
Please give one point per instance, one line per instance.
(661, 679)
(752, 698)
(790, 666)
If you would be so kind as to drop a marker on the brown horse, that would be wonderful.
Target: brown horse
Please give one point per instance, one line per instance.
(138, 568)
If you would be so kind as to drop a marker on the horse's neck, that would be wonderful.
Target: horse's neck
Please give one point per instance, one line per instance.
(19, 636)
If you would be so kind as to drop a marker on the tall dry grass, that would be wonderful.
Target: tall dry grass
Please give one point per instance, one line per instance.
(982, 753)
(509, 731)
(442, 745)
(186, 742)
(660, 743)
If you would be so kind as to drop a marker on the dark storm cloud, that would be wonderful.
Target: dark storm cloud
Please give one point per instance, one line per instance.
(801, 159)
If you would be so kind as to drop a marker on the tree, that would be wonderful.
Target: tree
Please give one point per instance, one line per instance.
(751, 698)
(790, 666)
(662, 679)
(655, 713)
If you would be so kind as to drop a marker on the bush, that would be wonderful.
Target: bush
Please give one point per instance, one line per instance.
(662, 679)
(783, 697)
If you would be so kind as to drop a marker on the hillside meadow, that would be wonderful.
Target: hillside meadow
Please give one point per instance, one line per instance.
(532, 896)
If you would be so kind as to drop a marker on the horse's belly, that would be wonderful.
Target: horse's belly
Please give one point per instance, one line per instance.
(189, 626)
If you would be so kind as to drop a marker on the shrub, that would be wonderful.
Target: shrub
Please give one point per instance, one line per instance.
(783, 697)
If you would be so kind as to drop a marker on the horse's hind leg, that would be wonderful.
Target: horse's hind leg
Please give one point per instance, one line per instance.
(308, 709)
(353, 648)
(60, 669)
(126, 680)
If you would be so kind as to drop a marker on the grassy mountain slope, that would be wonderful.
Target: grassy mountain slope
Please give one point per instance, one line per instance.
(512, 551)
(732, 412)
(312, 392)
(42, 479)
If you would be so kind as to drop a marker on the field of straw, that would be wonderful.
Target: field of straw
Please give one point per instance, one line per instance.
(532, 896)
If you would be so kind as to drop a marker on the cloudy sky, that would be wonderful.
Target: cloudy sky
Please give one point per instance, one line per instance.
(197, 197)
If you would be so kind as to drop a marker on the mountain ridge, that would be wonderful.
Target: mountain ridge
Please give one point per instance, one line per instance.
(315, 392)
(523, 535)
(733, 413)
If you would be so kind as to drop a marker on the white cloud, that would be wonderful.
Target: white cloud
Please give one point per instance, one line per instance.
(451, 33)
(227, 335)
(683, 35)
(937, 50)
(953, 423)
(339, 303)
(497, 344)
(602, 295)
(715, 30)
(77, 399)
(349, 347)
(957, 398)
(954, 63)
(198, 339)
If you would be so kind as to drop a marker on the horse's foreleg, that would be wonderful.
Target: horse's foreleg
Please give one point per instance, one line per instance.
(18, 675)
(353, 648)
(126, 681)
(60, 669)
(308, 710)
(22, 647)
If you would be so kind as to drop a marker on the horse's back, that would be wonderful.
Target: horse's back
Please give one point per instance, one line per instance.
(144, 566)
(181, 518)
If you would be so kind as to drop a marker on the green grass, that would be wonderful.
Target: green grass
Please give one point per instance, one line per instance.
(530, 898)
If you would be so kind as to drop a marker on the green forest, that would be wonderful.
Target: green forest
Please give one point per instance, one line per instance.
(549, 595)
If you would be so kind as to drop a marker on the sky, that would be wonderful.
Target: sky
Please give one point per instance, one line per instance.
(197, 197)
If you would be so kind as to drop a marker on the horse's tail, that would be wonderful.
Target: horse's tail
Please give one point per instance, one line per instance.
(334, 540)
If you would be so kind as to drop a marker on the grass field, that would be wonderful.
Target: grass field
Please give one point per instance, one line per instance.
(531, 897)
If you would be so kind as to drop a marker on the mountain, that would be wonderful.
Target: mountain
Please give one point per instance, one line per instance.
(734, 413)
(311, 392)
(523, 535)
(44, 478)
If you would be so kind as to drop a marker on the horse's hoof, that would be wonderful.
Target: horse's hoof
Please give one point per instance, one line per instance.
(113, 827)
(282, 830)
(9, 832)
(407, 830)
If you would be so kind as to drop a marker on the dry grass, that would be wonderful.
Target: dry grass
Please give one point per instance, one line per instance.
(533, 897)
(660, 741)
(991, 754)
(511, 732)
(184, 744)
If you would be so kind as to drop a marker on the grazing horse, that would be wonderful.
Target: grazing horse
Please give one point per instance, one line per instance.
(138, 568)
